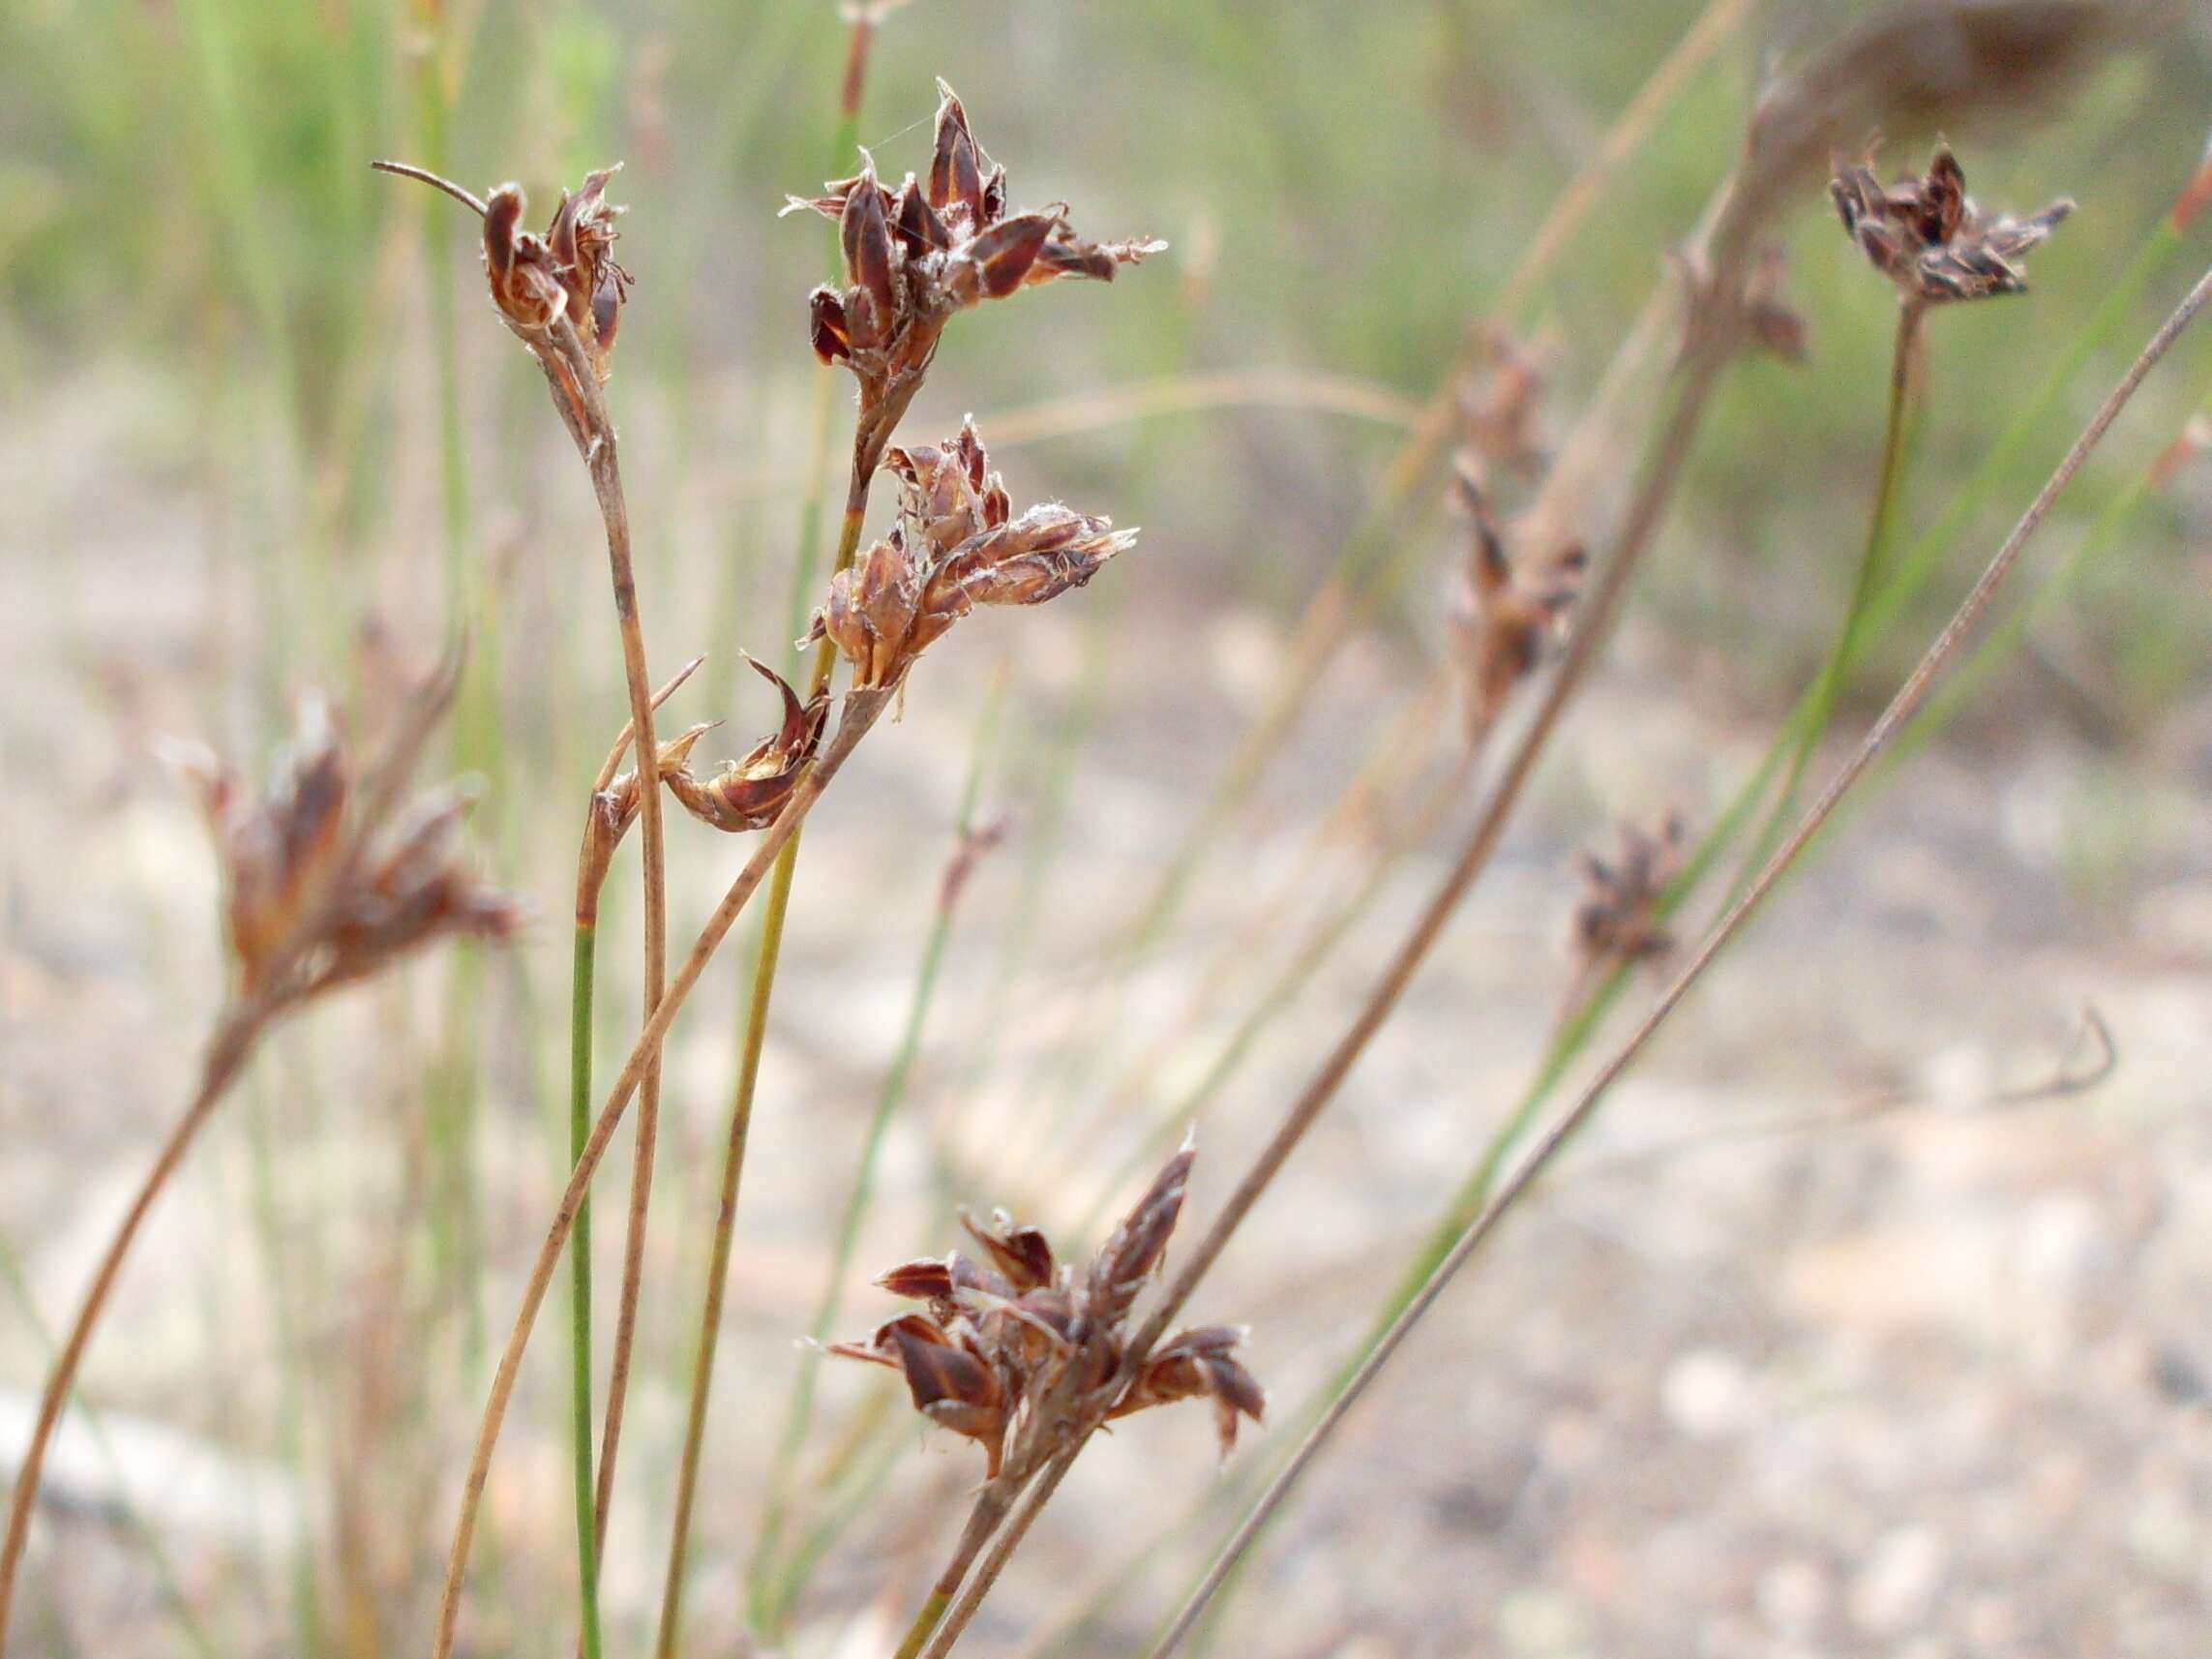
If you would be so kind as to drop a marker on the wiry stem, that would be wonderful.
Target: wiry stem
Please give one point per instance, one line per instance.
(861, 711)
(235, 1035)
(590, 878)
(596, 442)
(1828, 689)
(1893, 719)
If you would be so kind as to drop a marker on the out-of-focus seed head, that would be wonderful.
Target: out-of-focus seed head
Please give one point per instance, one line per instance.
(1498, 409)
(1774, 326)
(313, 896)
(1927, 235)
(748, 793)
(1617, 921)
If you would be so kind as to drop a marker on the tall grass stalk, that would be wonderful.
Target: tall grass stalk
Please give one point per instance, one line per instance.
(1893, 720)
(769, 949)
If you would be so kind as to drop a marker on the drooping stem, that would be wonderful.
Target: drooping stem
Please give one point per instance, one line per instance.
(1894, 719)
(862, 709)
(233, 1041)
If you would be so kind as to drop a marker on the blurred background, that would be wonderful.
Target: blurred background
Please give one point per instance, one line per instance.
(1815, 1348)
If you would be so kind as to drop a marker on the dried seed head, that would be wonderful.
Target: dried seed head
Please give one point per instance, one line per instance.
(748, 793)
(570, 271)
(953, 548)
(1507, 615)
(1010, 1355)
(1498, 412)
(1617, 922)
(315, 895)
(915, 255)
(1925, 234)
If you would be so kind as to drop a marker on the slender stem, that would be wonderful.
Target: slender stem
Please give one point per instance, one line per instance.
(590, 879)
(763, 991)
(580, 1295)
(598, 445)
(1828, 689)
(863, 707)
(798, 1416)
(991, 1505)
(232, 1043)
(1893, 720)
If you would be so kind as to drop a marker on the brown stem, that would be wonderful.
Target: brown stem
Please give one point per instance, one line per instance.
(597, 442)
(228, 1050)
(862, 709)
(1900, 709)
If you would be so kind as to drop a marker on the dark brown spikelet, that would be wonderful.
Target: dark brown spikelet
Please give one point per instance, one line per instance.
(1128, 1260)
(954, 547)
(1506, 616)
(1617, 922)
(315, 893)
(1013, 1355)
(748, 794)
(1925, 234)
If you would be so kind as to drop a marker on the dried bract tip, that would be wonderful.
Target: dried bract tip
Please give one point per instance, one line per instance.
(750, 793)
(1927, 236)
(315, 896)
(1617, 922)
(1509, 610)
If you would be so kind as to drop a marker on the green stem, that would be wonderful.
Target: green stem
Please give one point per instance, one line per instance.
(580, 1293)
(1828, 689)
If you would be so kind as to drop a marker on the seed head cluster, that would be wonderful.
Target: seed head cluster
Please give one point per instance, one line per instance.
(957, 544)
(1016, 1348)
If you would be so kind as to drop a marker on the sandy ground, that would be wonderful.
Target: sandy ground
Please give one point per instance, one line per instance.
(1931, 1382)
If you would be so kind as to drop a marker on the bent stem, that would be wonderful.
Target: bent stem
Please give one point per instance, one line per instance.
(235, 1036)
(862, 709)
(1894, 719)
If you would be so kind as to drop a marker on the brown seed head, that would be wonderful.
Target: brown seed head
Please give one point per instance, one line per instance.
(1925, 234)
(1507, 615)
(953, 548)
(915, 255)
(1010, 1353)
